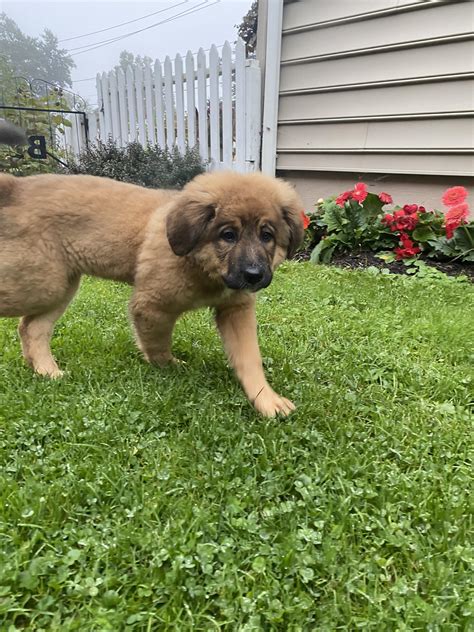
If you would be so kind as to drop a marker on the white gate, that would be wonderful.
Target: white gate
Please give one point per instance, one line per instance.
(212, 101)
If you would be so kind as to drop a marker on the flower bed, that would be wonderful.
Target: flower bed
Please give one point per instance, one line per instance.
(356, 224)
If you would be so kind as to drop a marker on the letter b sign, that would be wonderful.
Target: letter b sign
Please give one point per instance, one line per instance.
(37, 148)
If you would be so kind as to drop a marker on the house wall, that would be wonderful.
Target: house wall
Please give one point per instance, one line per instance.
(377, 87)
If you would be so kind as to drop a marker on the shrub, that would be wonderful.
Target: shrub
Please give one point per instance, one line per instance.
(149, 166)
(354, 221)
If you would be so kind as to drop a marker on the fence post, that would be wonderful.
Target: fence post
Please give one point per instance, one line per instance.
(272, 86)
(253, 115)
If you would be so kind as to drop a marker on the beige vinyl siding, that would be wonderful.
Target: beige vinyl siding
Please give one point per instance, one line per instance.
(301, 14)
(383, 67)
(377, 86)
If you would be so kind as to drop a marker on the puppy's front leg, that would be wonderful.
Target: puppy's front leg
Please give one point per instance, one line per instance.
(154, 329)
(237, 326)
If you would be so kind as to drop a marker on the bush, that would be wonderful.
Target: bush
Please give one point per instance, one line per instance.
(149, 166)
(355, 221)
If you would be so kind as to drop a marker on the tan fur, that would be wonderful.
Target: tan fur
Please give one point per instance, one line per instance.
(170, 245)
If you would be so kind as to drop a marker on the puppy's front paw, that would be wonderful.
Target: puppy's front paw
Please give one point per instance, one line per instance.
(161, 359)
(270, 404)
(49, 370)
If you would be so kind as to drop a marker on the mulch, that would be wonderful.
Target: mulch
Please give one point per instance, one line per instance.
(366, 258)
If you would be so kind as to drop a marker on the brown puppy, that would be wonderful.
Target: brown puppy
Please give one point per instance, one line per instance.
(215, 243)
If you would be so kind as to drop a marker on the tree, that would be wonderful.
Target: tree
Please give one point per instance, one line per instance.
(247, 29)
(127, 59)
(34, 57)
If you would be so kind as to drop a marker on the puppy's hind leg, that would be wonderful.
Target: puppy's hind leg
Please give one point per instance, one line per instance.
(35, 334)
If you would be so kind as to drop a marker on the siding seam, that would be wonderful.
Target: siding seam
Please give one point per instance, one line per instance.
(379, 150)
(356, 52)
(374, 170)
(387, 83)
(379, 117)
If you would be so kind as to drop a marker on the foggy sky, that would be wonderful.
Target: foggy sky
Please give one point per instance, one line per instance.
(68, 18)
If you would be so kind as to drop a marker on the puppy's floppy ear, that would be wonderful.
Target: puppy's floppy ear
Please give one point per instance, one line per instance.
(186, 222)
(293, 216)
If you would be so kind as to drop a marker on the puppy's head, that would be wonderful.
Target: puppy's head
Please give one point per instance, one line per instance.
(236, 227)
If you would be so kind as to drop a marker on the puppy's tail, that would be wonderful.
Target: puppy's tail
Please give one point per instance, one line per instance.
(11, 134)
(8, 184)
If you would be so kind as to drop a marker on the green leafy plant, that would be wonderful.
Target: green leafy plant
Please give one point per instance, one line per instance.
(349, 222)
(354, 221)
(149, 166)
(459, 247)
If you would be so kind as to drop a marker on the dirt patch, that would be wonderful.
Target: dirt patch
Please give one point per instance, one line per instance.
(366, 258)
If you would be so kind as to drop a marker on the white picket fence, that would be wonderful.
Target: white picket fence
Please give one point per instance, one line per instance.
(211, 101)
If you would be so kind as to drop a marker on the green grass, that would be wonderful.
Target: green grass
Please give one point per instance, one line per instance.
(134, 498)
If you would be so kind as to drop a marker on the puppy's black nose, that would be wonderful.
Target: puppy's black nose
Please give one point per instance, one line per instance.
(253, 275)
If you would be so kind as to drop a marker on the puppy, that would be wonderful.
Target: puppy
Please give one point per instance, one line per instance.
(215, 243)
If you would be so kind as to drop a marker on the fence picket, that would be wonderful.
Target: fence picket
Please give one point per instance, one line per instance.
(114, 109)
(227, 130)
(190, 99)
(150, 121)
(160, 116)
(202, 105)
(100, 100)
(169, 103)
(178, 78)
(132, 108)
(92, 121)
(240, 105)
(214, 106)
(122, 102)
(140, 104)
(108, 130)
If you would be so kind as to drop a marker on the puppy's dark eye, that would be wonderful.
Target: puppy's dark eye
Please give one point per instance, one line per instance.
(229, 235)
(266, 236)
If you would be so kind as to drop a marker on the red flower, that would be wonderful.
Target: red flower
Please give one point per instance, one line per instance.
(456, 216)
(454, 196)
(360, 192)
(403, 219)
(408, 249)
(305, 219)
(340, 201)
(385, 198)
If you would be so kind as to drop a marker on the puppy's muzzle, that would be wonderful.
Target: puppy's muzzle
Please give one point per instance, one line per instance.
(250, 277)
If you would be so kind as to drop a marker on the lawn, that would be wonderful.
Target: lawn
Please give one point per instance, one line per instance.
(134, 498)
